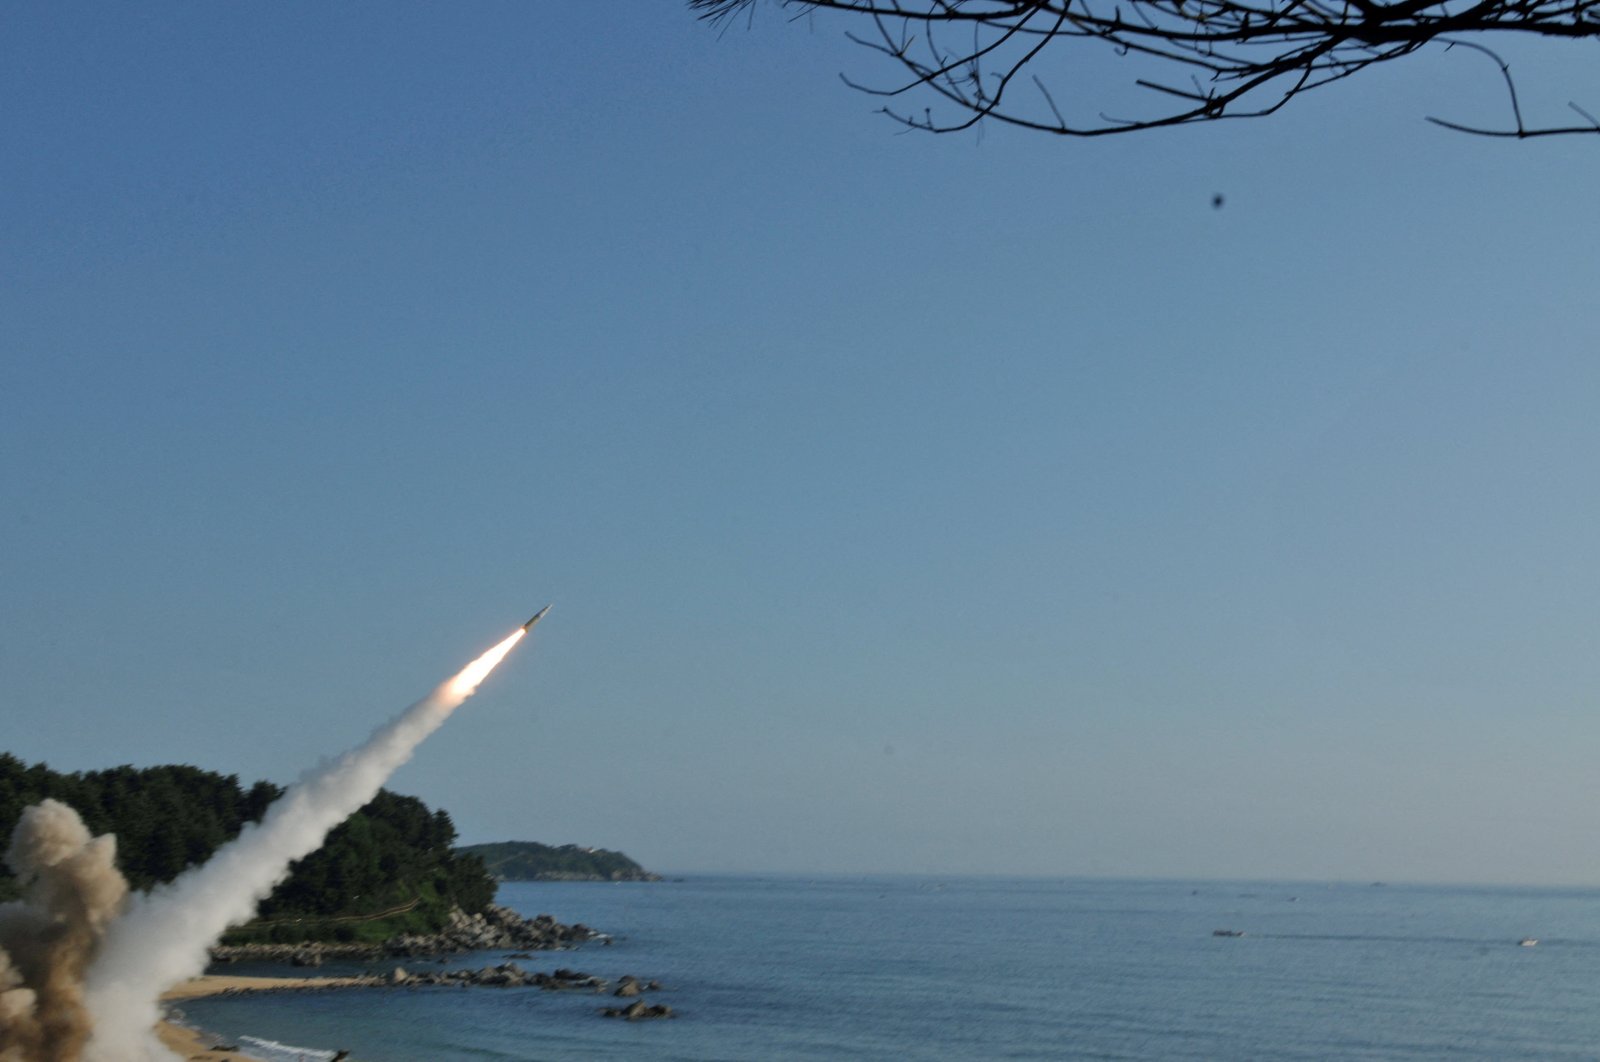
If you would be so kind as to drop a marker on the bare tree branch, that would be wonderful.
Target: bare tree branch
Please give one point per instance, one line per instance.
(1246, 58)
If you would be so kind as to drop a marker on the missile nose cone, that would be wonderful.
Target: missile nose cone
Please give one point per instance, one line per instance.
(537, 616)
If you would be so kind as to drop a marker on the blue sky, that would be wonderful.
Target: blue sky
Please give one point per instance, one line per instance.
(970, 503)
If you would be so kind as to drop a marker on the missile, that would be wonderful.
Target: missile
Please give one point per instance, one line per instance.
(537, 616)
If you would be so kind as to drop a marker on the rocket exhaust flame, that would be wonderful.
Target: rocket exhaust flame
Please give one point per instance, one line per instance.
(163, 938)
(466, 683)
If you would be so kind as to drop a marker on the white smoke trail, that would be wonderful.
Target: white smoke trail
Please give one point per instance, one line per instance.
(163, 939)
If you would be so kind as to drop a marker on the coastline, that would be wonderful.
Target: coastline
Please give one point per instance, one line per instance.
(195, 1045)
(493, 928)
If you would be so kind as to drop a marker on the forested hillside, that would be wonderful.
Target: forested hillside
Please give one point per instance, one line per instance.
(389, 868)
(532, 861)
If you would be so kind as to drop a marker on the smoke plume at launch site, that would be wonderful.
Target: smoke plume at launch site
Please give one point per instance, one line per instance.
(71, 891)
(83, 964)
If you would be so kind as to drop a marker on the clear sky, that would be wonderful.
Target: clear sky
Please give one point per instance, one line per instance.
(970, 503)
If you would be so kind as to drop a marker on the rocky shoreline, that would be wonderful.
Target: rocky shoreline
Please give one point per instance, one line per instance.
(506, 975)
(495, 928)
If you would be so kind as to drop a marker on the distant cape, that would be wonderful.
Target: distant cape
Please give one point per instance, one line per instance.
(532, 861)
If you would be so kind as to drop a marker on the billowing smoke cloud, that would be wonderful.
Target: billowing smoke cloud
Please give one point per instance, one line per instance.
(77, 981)
(71, 892)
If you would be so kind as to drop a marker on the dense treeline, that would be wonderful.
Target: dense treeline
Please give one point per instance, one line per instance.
(394, 855)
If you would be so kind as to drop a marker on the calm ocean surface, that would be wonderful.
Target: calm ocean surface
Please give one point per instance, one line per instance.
(983, 968)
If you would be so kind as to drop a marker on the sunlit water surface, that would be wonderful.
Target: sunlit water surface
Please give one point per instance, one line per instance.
(967, 968)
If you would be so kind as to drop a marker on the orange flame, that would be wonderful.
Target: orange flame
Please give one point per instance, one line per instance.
(463, 685)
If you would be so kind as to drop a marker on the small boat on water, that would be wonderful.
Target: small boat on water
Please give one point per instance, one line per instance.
(1227, 932)
(1527, 942)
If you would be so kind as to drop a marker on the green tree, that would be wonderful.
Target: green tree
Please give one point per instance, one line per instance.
(394, 853)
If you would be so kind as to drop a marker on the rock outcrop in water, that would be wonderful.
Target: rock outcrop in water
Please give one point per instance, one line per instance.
(638, 1010)
(629, 985)
(506, 975)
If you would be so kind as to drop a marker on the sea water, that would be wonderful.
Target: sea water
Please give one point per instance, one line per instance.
(989, 968)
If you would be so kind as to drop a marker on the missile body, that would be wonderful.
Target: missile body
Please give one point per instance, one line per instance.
(537, 616)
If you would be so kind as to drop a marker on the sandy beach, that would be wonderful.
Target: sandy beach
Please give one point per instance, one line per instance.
(193, 1045)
